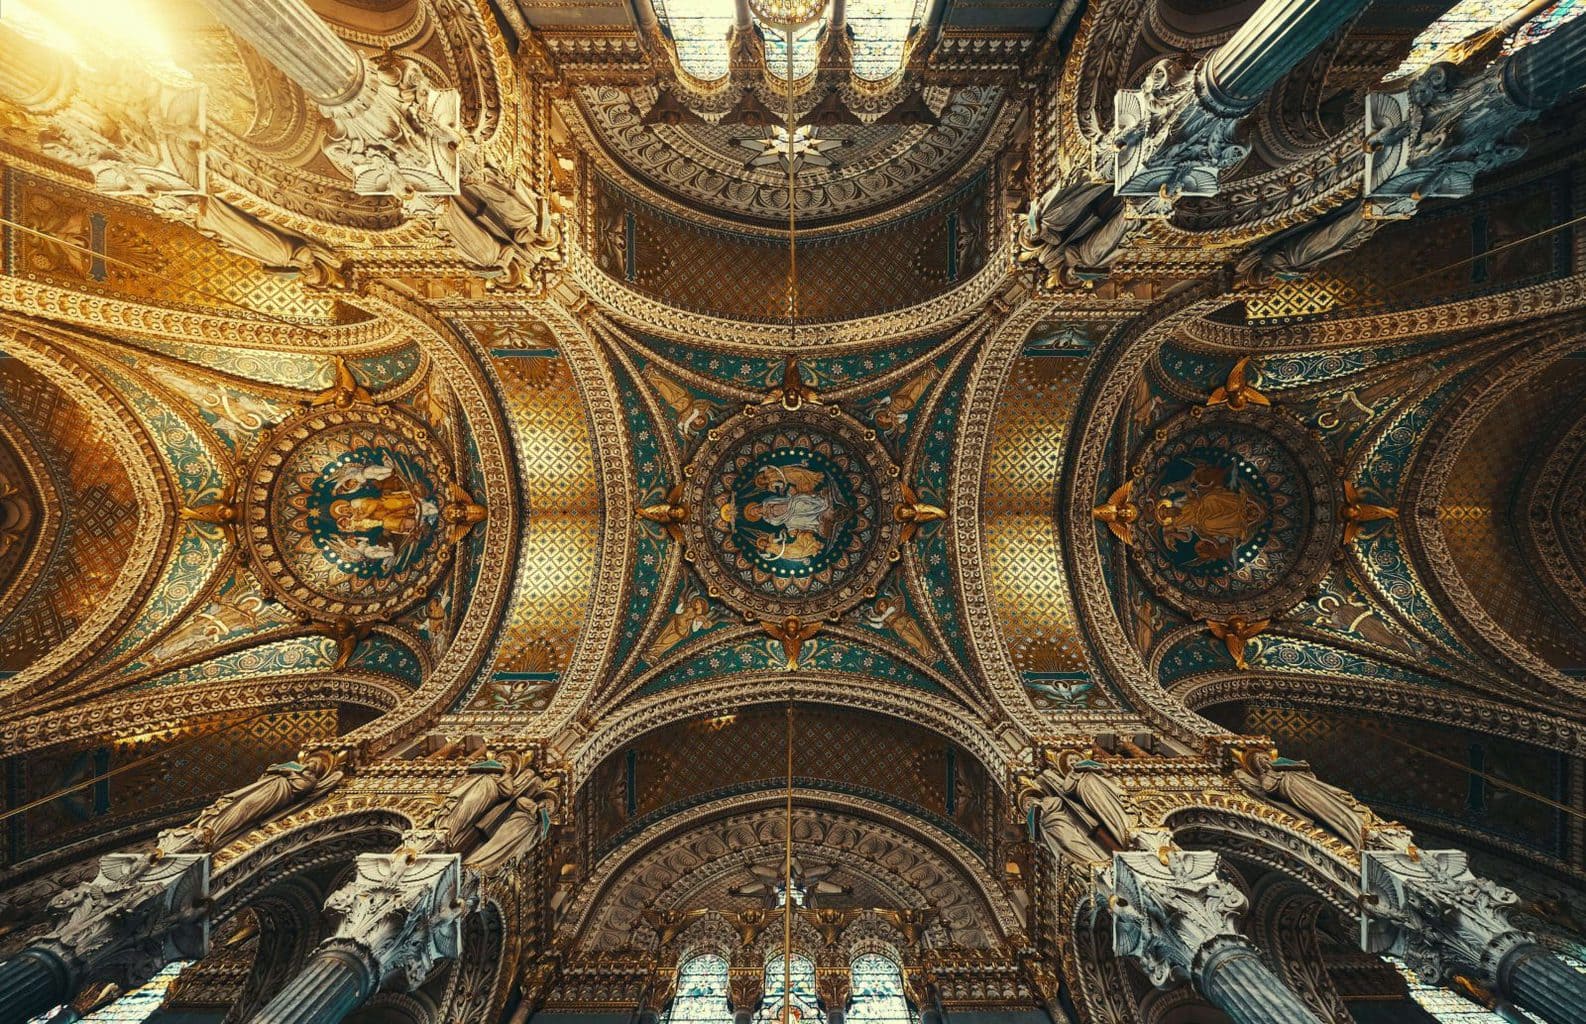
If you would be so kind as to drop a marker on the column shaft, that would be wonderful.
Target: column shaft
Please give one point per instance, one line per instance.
(1278, 36)
(1544, 73)
(295, 39)
(1536, 980)
(32, 76)
(1235, 980)
(334, 983)
(32, 982)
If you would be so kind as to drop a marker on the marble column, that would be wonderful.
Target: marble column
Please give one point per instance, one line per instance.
(1176, 917)
(289, 35)
(334, 983)
(1236, 980)
(1453, 123)
(139, 913)
(393, 131)
(32, 983)
(1274, 39)
(399, 917)
(1175, 135)
(1427, 908)
(1545, 72)
(1534, 979)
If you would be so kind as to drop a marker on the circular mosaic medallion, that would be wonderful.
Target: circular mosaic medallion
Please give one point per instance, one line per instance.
(791, 512)
(342, 515)
(1237, 512)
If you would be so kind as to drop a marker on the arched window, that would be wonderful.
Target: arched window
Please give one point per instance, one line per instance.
(701, 993)
(803, 997)
(878, 992)
(699, 30)
(881, 28)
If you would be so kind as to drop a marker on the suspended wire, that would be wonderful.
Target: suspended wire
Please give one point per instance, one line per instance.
(135, 763)
(1573, 812)
(148, 272)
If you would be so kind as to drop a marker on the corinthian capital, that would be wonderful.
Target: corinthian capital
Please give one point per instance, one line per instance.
(1169, 911)
(403, 914)
(399, 134)
(1168, 141)
(1432, 912)
(139, 913)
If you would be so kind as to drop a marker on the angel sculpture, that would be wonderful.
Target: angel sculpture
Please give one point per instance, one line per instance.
(891, 412)
(887, 613)
(1237, 392)
(1237, 633)
(280, 787)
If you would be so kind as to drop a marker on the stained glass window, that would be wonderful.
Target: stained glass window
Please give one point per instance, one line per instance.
(136, 1006)
(880, 29)
(1446, 1004)
(1470, 17)
(806, 47)
(803, 998)
(699, 30)
(1543, 23)
(701, 993)
(878, 992)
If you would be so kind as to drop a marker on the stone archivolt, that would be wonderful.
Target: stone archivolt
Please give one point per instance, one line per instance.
(274, 290)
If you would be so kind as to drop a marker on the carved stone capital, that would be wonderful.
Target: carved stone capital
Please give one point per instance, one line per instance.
(1170, 911)
(399, 134)
(139, 913)
(138, 139)
(403, 914)
(1427, 908)
(1168, 141)
(1432, 139)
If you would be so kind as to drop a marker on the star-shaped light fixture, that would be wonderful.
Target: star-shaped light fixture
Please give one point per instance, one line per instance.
(808, 147)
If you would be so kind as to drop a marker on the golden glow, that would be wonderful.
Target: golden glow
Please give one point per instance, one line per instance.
(96, 32)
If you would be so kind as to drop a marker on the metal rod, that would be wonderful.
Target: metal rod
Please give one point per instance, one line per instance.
(139, 762)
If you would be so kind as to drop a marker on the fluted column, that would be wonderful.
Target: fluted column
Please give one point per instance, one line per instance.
(32, 982)
(1434, 137)
(1534, 979)
(1175, 135)
(33, 76)
(399, 916)
(289, 35)
(1543, 73)
(393, 131)
(1279, 35)
(335, 982)
(1236, 981)
(1427, 908)
(1174, 915)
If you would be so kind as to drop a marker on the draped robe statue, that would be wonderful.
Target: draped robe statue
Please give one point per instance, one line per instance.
(487, 782)
(1267, 775)
(499, 811)
(1094, 799)
(280, 787)
(1065, 835)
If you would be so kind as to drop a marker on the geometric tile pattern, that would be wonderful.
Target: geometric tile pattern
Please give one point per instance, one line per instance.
(556, 568)
(1024, 566)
